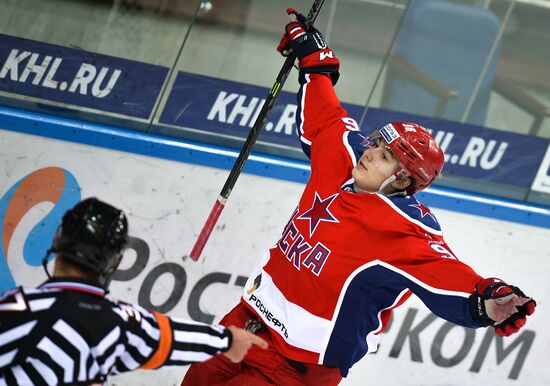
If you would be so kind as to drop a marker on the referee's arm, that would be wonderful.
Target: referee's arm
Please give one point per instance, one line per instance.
(182, 342)
(155, 340)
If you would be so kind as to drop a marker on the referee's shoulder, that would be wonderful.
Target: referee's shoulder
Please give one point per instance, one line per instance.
(129, 311)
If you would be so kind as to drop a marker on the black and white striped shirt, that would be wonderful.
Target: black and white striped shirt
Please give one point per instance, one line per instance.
(68, 332)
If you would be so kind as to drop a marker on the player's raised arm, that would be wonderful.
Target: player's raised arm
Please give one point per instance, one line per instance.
(318, 106)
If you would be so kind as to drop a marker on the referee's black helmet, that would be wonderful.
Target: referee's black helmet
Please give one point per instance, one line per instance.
(94, 235)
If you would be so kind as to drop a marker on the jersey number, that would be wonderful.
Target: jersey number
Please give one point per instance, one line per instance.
(350, 124)
(444, 252)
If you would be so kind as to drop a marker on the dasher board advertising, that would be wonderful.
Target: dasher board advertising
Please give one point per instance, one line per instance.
(230, 108)
(78, 77)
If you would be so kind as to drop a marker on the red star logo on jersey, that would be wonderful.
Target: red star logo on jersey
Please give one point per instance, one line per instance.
(424, 210)
(319, 212)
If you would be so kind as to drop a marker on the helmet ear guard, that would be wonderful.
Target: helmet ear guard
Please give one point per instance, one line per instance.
(93, 235)
(400, 172)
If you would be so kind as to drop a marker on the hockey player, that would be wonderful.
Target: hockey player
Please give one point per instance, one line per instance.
(358, 244)
(67, 332)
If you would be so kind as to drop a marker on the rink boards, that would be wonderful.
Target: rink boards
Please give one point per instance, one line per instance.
(167, 202)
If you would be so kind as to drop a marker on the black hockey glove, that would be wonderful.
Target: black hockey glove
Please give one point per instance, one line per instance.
(309, 47)
(505, 307)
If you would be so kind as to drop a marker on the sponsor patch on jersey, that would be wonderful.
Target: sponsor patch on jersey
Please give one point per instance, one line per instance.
(389, 133)
(257, 282)
(267, 315)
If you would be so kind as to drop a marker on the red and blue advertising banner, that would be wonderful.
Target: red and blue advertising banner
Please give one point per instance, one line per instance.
(222, 107)
(230, 108)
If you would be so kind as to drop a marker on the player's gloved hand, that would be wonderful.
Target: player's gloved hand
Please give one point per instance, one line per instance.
(505, 307)
(309, 47)
(295, 18)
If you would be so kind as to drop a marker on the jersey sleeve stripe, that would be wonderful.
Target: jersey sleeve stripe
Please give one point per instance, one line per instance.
(5, 359)
(60, 357)
(110, 361)
(75, 339)
(45, 372)
(151, 331)
(16, 333)
(129, 362)
(438, 291)
(301, 109)
(18, 305)
(41, 304)
(140, 344)
(185, 357)
(106, 342)
(94, 369)
(181, 325)
(217, 342)
(349, 148)
(165, 343)
(373, 336)
(21, 376)
(305, 140)
(32, 373)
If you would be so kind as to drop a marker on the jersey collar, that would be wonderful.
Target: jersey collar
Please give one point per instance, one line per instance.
(73, 284)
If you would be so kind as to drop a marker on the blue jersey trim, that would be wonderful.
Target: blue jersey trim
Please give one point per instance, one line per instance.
(348, 344)
(268, 166)
(416, 210)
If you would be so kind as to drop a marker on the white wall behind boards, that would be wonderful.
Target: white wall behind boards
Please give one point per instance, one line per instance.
(167, 203)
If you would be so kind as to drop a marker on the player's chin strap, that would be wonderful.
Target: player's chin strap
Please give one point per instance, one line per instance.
(398, 173)
(45, 263)
(380, 190)
(388, 181)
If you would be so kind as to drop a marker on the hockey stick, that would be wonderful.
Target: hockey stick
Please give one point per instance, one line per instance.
(219, 205)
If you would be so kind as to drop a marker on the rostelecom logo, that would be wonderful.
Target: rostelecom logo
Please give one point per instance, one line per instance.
(51, 184)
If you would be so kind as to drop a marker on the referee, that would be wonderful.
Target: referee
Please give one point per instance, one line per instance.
(68, 332)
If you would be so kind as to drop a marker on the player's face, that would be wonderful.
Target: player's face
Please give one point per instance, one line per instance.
(374, 167)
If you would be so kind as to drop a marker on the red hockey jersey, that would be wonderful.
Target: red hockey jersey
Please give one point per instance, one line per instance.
(346, 259)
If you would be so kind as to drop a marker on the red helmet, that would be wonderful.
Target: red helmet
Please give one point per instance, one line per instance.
(420, 157)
